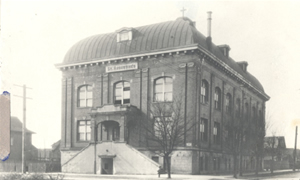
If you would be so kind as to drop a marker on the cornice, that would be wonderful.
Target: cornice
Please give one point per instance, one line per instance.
(181, 50)
(245, 83)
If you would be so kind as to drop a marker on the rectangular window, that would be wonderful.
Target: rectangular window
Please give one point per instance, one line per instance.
(203, 130)
(216, 133)
(124, 36)
(204, 92)
(85, 96)
(84, 130)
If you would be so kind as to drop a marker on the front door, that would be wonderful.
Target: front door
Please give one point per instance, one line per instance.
(112, 131)
(106, 165)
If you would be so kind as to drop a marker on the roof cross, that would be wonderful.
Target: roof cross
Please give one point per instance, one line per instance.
(182, 10)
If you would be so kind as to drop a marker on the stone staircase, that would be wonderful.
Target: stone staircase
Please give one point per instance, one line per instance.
(126, 160)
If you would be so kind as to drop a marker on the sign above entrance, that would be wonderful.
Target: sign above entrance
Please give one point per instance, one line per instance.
(121, 67)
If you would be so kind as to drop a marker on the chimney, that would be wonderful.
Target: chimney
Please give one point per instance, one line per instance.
(209, 23)
(208, 39)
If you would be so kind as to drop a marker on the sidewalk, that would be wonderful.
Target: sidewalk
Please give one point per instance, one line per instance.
(251, 175)
(267, 173)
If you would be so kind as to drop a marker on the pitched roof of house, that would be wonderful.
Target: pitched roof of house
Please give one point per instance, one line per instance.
(56, 145)
(150, 38)
(279, 141)
(16, 125)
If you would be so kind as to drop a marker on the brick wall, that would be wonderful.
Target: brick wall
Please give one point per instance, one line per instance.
(187, 73)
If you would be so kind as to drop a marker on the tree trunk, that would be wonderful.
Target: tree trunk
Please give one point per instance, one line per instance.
(272, 164)
(241, 164)
(257, 164)
(168, 166)
(234, 166)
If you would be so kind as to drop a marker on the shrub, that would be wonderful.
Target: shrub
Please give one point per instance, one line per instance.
(33, 176)
(14, 176)
(57, 177)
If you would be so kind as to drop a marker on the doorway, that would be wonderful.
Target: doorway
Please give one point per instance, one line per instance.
(111, 131)
(106, 165)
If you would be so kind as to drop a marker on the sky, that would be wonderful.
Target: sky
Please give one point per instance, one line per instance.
(35, 35)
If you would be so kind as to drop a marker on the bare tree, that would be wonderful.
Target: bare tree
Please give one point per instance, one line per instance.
(233, 141)
(166, 127)
(273, 148)
(245, 137)
(257, 132)
(256, 149)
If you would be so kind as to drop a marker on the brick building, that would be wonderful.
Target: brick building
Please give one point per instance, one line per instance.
(108, 79)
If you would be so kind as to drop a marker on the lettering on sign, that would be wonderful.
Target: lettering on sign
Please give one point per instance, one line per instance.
(121, 67)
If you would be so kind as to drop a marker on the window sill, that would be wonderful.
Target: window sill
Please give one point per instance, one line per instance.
(81, 141)
(84, 107)
(156, 102)
(127, 104)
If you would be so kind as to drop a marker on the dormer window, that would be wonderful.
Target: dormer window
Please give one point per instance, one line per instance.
(243, 65)
(225, 50)
(124, 34)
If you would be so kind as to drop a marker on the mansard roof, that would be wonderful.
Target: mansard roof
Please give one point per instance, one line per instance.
(153, 38)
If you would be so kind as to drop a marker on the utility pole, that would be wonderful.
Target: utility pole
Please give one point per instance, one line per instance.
(295, 150)
(24, 125)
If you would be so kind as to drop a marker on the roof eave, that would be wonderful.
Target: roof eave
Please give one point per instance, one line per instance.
(238, 75)
(132, 56)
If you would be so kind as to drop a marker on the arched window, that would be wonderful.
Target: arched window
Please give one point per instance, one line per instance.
(228, 103)
(238, 110)
(122, 92)
(204, 92)
(217, 98)
(163, 89)
(85, 96)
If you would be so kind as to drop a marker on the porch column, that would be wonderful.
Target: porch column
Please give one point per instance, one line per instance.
(122, 129)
